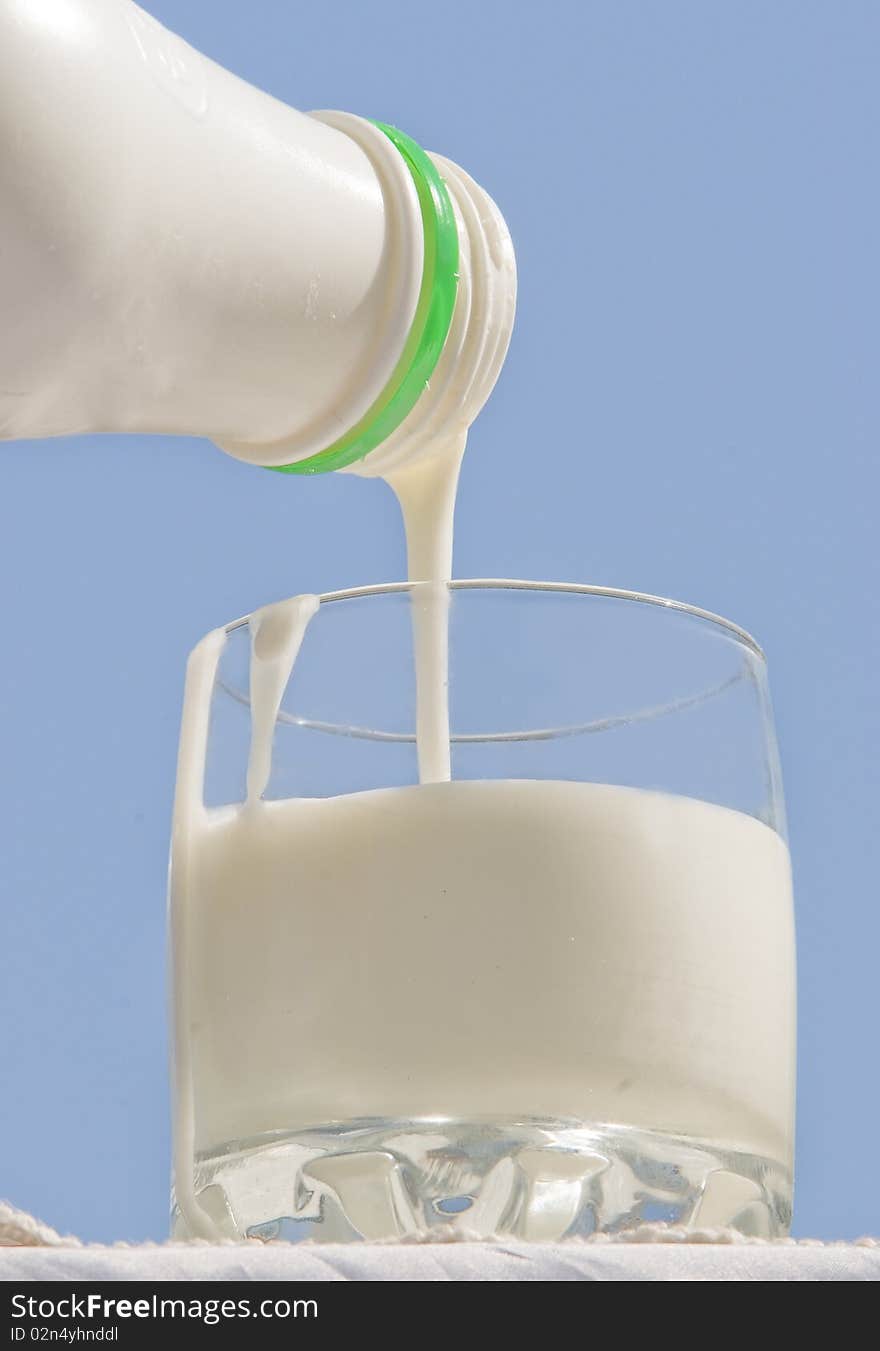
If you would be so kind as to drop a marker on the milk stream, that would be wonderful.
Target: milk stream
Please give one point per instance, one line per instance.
(426, 492)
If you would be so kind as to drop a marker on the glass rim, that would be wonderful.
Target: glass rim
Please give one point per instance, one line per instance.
(559, 588)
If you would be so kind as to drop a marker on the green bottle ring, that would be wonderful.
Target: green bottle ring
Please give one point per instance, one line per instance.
(430, 324)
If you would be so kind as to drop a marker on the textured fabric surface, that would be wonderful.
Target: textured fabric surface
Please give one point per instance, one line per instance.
(573, 1261)
(32, 1251)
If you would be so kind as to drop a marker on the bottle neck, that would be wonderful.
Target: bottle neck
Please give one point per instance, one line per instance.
(478, 338)
(452, 258)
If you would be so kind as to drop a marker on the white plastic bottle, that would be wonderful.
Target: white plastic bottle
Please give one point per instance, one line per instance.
(183, 253)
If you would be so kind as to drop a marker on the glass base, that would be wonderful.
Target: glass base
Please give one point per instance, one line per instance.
(530, 1179)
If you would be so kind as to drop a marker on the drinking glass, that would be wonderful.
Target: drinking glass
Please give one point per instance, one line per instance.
(550, 992)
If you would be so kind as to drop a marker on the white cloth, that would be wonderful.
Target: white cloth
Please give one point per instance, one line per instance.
(655, 1252)
(570, 1261)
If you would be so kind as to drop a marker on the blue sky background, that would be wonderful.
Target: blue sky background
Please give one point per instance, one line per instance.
(689, 408)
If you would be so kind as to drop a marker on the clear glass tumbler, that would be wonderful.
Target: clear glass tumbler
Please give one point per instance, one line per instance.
(550, 994)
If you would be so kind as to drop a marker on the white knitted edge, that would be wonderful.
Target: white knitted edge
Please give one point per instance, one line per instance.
(18, 1229)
